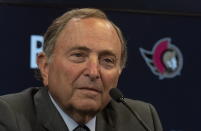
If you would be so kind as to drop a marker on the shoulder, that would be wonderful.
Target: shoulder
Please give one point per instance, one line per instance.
(144, 110)
(20, 100)
(139, 106)
(15, 108)
(7, 119)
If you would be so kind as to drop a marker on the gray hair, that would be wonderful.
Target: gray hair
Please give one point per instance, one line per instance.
(58, 25)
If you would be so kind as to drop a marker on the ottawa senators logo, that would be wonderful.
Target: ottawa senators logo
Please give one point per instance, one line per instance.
(165, 60)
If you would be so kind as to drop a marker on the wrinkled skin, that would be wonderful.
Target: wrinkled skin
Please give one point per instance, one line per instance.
(84, 66)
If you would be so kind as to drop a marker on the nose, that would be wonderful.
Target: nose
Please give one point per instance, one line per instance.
(92, 70)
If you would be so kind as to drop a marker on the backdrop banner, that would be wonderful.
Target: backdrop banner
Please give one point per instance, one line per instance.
(164, 58)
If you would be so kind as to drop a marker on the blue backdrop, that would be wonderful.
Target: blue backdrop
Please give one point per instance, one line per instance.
(177, 99)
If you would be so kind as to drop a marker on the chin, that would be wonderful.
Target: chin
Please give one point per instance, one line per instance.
(88, 107)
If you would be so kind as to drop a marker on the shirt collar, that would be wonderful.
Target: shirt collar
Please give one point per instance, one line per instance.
(70, 123)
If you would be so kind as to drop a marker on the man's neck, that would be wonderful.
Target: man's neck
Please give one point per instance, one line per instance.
(80, 117)
(77, 115)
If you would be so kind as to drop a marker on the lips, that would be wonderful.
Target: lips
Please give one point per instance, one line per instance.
(91, 89)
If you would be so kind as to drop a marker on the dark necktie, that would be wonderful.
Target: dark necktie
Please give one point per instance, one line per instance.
(81, 128)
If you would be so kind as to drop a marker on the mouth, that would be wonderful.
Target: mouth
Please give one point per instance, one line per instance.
(91, 89)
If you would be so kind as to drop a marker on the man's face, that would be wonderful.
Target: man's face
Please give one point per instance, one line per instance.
(84, 66)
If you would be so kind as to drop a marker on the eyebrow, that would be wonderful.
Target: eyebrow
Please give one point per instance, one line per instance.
(84, 48)
(102, 53)
(106, 52)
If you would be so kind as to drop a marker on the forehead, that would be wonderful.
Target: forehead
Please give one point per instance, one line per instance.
(89, 32)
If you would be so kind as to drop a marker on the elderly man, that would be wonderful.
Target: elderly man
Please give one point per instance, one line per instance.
(84, 54)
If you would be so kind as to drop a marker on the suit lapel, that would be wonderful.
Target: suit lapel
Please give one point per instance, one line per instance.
(106, 119)
(47, 114)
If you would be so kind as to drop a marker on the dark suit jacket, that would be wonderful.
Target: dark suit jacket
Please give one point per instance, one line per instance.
(32, 110)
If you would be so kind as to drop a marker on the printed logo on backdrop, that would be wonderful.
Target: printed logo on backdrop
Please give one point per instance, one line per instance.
(165, 60)
(36, 46)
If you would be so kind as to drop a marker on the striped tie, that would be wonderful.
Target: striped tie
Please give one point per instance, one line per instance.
(81, 128)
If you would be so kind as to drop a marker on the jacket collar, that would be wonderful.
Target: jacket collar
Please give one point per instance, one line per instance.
(106, 119)
(51, 120)
(47, 114)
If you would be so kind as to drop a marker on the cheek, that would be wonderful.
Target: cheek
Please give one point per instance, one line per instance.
(60, 81)
(58, 77)
(109, 80)
(62, 71)
(63, 75)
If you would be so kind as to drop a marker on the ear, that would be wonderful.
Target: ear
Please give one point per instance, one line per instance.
(120, 70)
(42, 62)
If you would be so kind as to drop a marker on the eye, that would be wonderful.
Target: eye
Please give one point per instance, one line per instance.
(108, 62)
(78, 54)
(78, 57)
